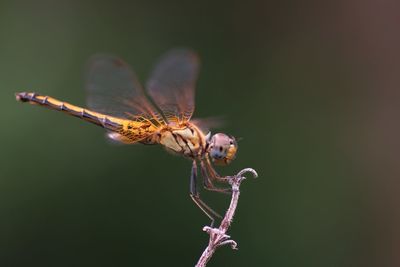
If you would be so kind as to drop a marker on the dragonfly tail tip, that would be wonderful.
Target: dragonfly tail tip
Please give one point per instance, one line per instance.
(20, 96)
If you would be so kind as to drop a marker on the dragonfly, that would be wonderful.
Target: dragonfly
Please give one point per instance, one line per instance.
(159, 114)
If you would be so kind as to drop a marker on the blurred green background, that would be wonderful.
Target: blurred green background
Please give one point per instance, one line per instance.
(309, 85)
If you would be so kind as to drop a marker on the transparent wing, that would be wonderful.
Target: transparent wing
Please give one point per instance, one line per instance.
(113, 89)
(172, 84)
(206, 124)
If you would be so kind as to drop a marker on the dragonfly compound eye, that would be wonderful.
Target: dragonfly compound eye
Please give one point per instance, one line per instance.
(222, 148)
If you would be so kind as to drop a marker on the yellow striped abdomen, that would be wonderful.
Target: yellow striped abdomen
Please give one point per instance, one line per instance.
(127, 131)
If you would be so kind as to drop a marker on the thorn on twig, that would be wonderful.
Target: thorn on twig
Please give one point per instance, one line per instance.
(229, 242)
(252, 171)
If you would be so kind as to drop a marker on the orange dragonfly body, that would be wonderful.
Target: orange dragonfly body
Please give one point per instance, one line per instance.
(117, 102)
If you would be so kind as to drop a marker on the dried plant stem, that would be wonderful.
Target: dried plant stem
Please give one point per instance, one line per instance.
(218, 236)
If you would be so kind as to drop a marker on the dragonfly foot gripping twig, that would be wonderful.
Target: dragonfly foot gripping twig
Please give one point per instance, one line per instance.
(218, 236)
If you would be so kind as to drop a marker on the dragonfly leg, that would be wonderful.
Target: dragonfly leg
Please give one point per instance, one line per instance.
(212, 173)
(194, 194)
(208, 183)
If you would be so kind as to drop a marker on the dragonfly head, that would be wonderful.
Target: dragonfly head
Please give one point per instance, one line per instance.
(221, 148)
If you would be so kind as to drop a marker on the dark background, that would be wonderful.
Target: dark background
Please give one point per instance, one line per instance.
(312, 87)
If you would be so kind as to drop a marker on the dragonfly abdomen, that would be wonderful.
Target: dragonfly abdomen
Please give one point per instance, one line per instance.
(102, 120)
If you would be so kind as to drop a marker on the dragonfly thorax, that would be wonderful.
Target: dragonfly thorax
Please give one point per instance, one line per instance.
(186, 140)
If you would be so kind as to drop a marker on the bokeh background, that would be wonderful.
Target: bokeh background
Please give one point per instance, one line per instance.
(312, 87)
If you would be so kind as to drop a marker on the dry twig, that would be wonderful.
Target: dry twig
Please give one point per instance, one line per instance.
(218, 236)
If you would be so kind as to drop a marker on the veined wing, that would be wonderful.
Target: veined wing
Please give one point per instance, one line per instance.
(172, 84)
(113, 89)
